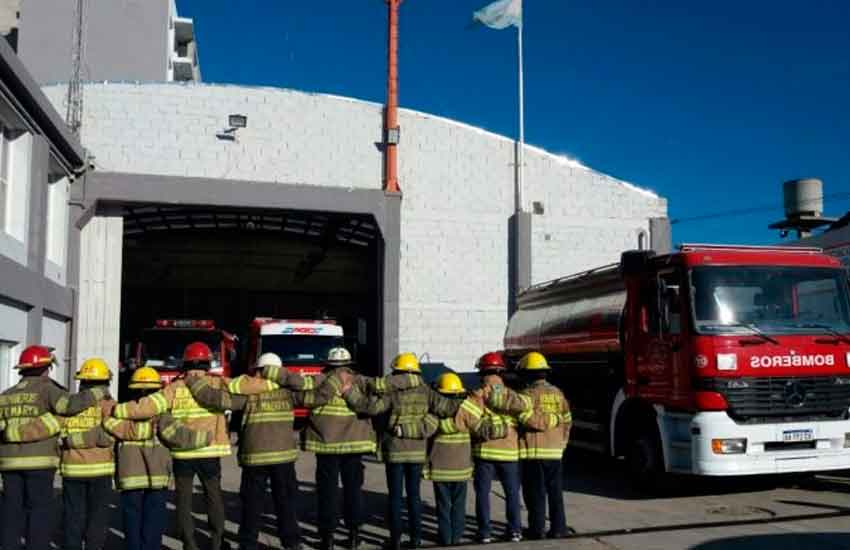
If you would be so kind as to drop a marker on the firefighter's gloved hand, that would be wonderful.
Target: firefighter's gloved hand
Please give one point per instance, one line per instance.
(398, 431)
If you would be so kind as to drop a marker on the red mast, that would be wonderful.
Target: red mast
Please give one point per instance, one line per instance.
(391, 129)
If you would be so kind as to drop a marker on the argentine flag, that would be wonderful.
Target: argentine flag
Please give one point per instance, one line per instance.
(500, 14)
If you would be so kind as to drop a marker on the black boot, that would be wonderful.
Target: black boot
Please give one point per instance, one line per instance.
(393, 543)
(327, 540)
(353, 539)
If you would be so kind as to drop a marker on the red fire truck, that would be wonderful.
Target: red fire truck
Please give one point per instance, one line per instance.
(301, 344)
(712, 360)
(161, 346)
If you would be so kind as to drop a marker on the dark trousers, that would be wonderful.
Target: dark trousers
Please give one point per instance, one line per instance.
(542, 480)
(253, 495)
(451, 510)
(86, 511)
(208, 471)
(27, 498)
(404, 478)
(508, 474)
(329, 469)
(144, 516)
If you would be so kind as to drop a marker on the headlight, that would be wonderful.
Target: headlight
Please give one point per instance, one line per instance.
(729, 446)
(847, 358)
(727, 361)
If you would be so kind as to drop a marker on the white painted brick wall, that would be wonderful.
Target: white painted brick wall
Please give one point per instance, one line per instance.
(457, 182)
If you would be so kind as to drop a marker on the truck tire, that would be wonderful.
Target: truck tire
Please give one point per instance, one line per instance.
(644, 461)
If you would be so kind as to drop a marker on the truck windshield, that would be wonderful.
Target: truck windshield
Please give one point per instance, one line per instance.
(293, 348)
(775, 300)
(167, 345)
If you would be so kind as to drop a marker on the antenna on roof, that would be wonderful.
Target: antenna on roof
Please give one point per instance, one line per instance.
(74, 99)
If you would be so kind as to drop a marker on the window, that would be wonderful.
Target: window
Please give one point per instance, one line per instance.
(58, 191)
(15, 149)
(8, 356)
(4, 178)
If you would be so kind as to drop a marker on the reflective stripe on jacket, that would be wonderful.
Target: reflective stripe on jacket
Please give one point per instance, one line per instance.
(546, 428)
(95, 461)
(29, 399)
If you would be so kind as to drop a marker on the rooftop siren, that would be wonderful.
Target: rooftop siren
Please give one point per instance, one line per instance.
(803, 200)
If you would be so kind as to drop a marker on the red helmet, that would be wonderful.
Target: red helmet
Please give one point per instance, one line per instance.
(197, 352)
(35, 357)
(491, 361)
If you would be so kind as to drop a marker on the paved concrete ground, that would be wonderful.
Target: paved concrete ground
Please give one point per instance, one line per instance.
(699, 514)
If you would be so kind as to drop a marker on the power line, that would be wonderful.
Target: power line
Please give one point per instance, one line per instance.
(752, 210)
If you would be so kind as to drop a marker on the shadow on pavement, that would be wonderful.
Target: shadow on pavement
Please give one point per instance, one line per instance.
(796, 541)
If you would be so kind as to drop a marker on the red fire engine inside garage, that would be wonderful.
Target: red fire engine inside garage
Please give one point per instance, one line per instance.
(221, 255)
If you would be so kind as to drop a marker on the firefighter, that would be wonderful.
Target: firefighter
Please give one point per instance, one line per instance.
(340, 437)
(404, 458)
(449, 463)
(267, 446)
(541, 448)
(204, 462)
(29, 467)
(498, 459)
(87, 472)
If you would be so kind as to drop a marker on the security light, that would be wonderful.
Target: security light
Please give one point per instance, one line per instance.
(393, 135)
(237, 121)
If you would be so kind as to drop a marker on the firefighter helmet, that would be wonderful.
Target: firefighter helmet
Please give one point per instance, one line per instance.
(145, 378)
(491, 362)
(94, 370)
(34, 357)
(197, 352)
(338, 357)
(450, 384)
(533, 361)
(406, 362)
(269, 360)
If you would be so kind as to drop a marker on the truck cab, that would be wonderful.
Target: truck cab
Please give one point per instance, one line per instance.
(301, 344)
(161, 347)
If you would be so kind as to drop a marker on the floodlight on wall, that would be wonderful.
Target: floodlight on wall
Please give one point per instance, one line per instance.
(234, 122)
(393, 135)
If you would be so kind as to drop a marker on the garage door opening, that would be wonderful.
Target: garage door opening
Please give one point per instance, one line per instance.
(229, 266)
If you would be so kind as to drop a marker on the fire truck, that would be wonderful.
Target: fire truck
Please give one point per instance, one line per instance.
(712, 360)
(301, 344)
(161, 346)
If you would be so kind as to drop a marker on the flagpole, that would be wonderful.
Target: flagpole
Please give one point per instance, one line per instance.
(520, 194)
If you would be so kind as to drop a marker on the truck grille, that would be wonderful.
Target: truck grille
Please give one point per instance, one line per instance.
(794, 398)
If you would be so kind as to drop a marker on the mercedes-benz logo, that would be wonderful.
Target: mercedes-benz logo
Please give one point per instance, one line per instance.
(795, 395)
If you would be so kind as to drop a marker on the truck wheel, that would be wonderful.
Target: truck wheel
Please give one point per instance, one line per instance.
(644, 462)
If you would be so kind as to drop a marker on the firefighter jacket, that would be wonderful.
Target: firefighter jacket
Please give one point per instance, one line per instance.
(545, 429)
(450, 454)
(335, 428)
(31, 398)
(28, 430)
(176, 399)
(506, 405)
(84, 462)
(405, 406)
(144, 462)
(268, 436)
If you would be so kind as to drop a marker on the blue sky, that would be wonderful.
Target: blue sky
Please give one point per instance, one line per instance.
(710, 104)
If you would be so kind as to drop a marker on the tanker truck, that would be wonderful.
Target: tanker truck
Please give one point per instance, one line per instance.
(711, 360)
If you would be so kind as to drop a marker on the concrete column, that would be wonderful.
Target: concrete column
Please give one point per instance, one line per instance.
(660, 235)
(37, 231)
(99, 298)
(391, 232)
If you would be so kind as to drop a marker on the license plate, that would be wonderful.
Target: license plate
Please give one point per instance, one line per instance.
(796, 436)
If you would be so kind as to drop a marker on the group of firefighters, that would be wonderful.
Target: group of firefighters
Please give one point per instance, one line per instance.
(442, 433)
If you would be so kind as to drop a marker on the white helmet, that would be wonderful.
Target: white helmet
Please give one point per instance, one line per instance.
(269, 360)
(339, 356)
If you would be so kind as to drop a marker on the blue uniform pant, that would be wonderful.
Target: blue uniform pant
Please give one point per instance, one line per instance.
(144, 515)
(508, 474)
(451, 510)
(542, 480)
(86, 511)
(330, 468)
(27, 497)
(405, 478)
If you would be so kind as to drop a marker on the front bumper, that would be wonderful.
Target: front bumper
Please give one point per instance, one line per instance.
(828, 452)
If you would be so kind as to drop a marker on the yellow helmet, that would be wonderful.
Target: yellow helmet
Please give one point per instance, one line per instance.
(94, 369)
(533, 361)
(449, 383)
(145, 378)
(406, 362)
